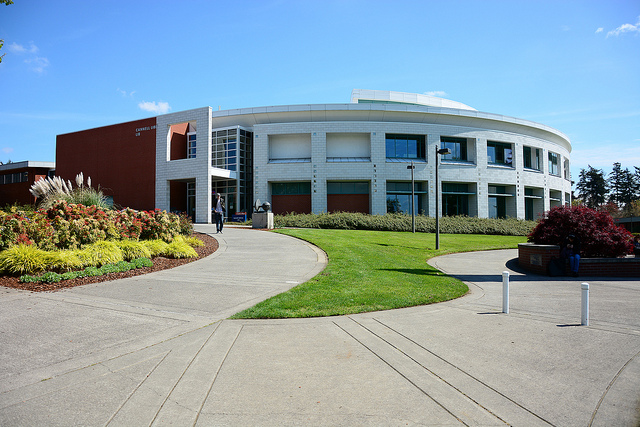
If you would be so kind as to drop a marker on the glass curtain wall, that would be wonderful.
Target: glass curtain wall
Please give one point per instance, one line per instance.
(232, 149)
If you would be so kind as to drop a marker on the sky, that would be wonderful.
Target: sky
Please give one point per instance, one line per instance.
(74, 65)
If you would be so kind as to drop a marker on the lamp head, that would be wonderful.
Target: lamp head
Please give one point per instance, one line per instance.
(444, 151)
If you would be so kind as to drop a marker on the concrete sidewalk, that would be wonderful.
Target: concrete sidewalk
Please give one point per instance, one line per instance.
(155, 350)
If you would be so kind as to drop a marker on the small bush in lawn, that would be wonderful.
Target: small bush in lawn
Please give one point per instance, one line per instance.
(23, 259)
(132, 249)
(101, 253)
(599, 236)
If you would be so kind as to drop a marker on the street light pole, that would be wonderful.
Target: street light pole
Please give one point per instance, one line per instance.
(413, 207)
(438, 151)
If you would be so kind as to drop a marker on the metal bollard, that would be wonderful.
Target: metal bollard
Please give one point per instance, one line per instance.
(505, 292)
(585, 304)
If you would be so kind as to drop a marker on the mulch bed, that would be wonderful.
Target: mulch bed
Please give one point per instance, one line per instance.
(159, 263)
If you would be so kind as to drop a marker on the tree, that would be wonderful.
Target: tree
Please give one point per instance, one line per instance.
(7, 2)
(592, 187)
(598, 234)
(621, 185)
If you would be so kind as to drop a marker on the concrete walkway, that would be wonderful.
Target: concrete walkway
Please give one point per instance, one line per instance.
(155, 350)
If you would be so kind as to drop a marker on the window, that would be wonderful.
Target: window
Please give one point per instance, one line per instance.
(399, 196)
(531, 158)
(455, 199)
(499, 153)
(498, 201)
(458, 147)
(410, 147)
(567, 171)
(191, 146)
(290, 188)
(553, 164)
(347, 188)
(14, 178)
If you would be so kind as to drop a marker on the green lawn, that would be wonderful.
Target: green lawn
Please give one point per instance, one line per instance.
(374, 270)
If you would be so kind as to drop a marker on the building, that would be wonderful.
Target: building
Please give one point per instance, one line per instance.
(329, 157)
(17, 178)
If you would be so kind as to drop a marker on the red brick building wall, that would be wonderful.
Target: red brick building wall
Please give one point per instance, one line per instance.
(121, 159)
(18, 193)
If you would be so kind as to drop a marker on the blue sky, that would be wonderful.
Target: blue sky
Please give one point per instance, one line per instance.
(74, 65)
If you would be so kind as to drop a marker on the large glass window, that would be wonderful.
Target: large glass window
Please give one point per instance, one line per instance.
(567, 171)
(458, 147)
(399, 197)
(553, 164)
(455, 199)
(531, 158)
(499, 153)
(410, 147)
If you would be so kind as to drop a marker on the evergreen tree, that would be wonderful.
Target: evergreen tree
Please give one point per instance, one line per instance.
(622, 185)
(592, 187)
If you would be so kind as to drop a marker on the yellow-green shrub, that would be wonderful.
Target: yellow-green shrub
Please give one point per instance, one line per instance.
(133, 249)
(180, 249)
(66, 260)
(156, 247)
(100, 253)
(23, 259)
(194, 242)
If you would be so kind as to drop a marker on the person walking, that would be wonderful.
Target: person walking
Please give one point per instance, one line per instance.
(218, 212)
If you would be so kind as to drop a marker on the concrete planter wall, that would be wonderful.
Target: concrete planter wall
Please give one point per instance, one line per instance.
(535, 258)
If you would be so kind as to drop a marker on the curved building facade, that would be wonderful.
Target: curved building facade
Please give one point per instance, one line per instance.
(357, 157)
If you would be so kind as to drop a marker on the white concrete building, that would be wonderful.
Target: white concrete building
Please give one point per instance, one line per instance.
(354, 157)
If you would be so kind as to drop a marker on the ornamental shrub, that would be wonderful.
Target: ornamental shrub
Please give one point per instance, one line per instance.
(599, 236)
(402, 222)
(132, 249)
(180, 249)
(101, 253)
(23, 259)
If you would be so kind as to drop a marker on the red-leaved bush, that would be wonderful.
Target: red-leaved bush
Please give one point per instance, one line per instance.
(599, 236)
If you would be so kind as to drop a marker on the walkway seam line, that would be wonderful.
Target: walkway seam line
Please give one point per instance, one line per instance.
(136, 388)
(458, 368)
(615, 378)
(400, 373)
(182, 375)
(215, 377)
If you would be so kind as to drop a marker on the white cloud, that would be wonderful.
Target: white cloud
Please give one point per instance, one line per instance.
(125, 93)
(7, 150)
(155, 107)
(38, 64)
(625, 28)
(18, 48)
(599, 30)
(438, 93)
(565, 28)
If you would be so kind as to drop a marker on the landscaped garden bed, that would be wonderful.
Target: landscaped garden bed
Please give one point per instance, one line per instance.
(74, 238)
(159, 263)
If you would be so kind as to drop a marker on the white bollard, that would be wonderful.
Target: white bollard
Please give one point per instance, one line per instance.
(585, 304)
(505, 292)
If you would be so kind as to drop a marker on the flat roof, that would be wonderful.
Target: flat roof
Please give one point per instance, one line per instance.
(27, 164)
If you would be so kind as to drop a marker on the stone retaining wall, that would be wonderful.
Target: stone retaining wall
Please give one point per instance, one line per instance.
(535, 258)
